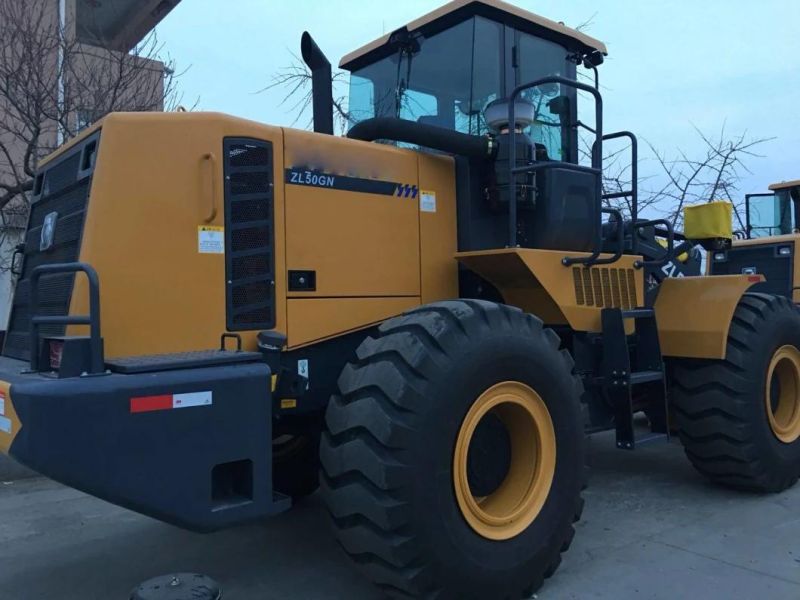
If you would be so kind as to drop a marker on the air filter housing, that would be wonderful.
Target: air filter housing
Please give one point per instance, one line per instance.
(496, 115)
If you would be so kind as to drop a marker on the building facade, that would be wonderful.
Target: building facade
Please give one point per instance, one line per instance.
(74, 61)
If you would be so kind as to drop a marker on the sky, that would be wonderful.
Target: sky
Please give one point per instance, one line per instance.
(672, 64)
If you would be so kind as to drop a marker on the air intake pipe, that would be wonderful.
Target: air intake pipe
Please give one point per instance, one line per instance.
(321, 82)
(429, 136)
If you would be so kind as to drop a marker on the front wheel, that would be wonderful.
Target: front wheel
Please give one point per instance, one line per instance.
(453, 457)
(739, 418)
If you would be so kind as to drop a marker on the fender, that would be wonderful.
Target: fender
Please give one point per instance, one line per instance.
(694, 313)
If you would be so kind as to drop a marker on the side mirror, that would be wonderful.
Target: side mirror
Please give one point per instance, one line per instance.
(559, 106)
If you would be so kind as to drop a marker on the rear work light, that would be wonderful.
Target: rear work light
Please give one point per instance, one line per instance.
(55, 352)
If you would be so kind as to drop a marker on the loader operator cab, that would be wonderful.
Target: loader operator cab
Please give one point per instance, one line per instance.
(463, 70)
(774, 213)
(457, 70)
(448, 78)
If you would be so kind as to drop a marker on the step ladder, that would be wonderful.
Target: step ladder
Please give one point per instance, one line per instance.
(631, 362)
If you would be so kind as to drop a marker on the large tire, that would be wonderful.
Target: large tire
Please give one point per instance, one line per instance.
(390, 453)
(723, 407)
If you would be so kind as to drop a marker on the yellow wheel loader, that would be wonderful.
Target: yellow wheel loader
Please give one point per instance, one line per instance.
(768, 242)
(423, 318)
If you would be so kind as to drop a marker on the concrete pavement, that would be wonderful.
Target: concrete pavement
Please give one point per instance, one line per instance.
(652, 528)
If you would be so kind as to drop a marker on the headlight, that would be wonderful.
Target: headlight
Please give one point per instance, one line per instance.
(720, 256)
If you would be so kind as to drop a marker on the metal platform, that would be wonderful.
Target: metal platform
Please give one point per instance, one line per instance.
(182, 360)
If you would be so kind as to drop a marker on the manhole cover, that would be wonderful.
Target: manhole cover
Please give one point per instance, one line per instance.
(178, 586)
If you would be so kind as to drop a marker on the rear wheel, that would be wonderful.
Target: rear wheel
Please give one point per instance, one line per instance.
(453, 456)
(739, 418)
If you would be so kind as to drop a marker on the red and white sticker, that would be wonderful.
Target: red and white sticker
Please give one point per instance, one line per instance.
(2, 404)
(170, 401)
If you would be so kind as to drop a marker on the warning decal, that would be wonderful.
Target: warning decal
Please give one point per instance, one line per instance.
(210, 239)
(427, 201)
(170, 401)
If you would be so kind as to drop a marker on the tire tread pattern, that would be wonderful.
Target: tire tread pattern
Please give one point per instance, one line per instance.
(713, 407)
(369, 421)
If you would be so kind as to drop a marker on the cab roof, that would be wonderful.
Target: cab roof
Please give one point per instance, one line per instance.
(459, 10)
(784, 185)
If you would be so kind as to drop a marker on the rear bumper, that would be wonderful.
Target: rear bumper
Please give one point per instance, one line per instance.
(191, 447)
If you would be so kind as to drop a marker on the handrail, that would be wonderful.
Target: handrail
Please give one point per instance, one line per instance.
(670, 253)
(620, 237)
(597, 161)
(633, 193)
(97, 363)
(211, 159)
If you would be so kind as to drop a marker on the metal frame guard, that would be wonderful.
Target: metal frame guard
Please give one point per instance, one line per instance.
(596, 169)
(97, 362)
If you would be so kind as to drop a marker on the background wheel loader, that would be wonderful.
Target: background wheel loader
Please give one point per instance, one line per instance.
(768, 244)
(432, 323)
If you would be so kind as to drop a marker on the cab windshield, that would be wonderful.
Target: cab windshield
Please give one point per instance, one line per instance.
(449, 78)
(770, 214)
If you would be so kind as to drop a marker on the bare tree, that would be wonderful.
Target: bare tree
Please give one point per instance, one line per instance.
(713, 174)
(295, 80)
(52, 86)
(712, 171)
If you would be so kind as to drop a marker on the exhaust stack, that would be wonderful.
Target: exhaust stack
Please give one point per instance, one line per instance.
(322, 85)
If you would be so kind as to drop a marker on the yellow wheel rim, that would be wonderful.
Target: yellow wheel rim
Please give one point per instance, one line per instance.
(783, 394)
(515, 503)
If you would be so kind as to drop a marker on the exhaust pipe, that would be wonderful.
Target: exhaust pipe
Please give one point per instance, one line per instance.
(321, 84)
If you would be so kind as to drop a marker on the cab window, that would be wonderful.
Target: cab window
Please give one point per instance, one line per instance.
(770, 214)
(554, 105)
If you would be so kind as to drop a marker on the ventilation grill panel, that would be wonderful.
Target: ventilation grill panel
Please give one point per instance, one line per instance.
(64, 189)
(605, 287)
(249, 234)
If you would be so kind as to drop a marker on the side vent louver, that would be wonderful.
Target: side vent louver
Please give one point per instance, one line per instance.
(249, 234)
(605, 288)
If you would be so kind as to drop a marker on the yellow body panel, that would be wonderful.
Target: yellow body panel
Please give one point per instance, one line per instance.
(159, 177)
(360, 244)
(375, 255)
(309, 318)
(537, 282)
(694, 313)
(153, 187)
(437, 229)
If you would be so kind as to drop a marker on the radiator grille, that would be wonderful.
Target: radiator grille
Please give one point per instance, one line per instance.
(65, 188)
(605, 287)
(249, 235)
